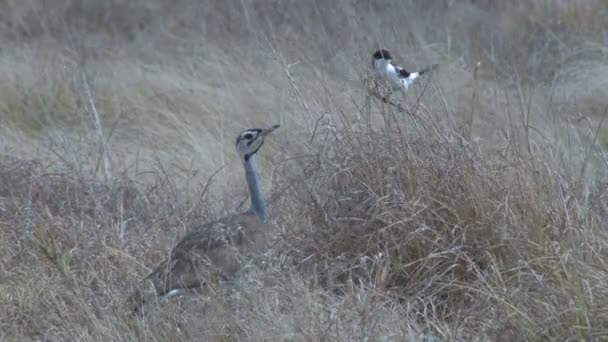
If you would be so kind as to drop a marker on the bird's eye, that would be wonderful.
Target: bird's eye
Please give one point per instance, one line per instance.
(248, 136)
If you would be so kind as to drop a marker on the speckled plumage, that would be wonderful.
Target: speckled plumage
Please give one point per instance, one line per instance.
(215, 250)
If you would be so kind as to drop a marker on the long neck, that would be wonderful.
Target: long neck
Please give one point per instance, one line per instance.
(258, 206)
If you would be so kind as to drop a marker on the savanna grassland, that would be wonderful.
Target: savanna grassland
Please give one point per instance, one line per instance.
(473, 211)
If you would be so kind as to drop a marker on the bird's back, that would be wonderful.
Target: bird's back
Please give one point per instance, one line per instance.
(208, 253)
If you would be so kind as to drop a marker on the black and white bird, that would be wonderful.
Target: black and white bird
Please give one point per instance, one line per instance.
(398, 77)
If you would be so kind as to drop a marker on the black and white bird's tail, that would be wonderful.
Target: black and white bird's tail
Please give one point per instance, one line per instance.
(427, 69)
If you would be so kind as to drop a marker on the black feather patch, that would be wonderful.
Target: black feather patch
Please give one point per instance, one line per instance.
(403, 73)
(382, 54)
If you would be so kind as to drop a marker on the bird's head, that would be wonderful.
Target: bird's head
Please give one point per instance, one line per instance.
(382, 54)
(249, 141)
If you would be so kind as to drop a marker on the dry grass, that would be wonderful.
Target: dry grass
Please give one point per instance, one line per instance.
(477, 213)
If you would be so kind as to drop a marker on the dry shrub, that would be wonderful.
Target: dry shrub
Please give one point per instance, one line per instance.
(507, 240)
(71, 244)
(394, 233)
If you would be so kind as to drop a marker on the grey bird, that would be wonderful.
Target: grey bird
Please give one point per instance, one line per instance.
(214, 250)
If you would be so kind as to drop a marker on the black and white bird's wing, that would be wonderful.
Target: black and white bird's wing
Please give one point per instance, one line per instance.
(402, 73)
(406, 79)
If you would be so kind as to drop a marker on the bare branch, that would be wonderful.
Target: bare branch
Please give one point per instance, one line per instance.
(102, 145)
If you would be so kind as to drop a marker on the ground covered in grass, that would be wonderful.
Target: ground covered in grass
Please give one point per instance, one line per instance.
(473, 210)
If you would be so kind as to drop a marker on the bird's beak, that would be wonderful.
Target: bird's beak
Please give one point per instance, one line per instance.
(269, 130)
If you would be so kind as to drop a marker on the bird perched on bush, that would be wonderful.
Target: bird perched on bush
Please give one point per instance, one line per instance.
(398, 77)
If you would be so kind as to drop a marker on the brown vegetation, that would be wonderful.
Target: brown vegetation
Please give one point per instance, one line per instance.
(475, 213)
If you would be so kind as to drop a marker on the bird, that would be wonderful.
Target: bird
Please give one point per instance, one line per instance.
(214, 250)
(398, 77)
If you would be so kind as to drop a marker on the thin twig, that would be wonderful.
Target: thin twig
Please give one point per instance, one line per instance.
(101, 142)
(473, 102)
(591, 145)
(292, 82)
